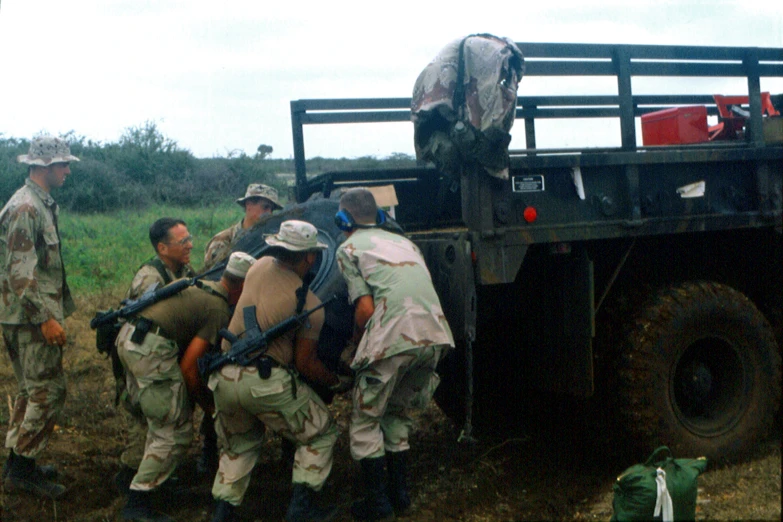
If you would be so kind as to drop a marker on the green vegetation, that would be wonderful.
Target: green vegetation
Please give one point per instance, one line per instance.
(118, 189)
(146, 168)
(102, 251)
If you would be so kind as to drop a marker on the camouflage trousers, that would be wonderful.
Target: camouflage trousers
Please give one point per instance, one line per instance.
(40, 388)
(155, 385)
(384, 396)
(136, 424)
(245, 404)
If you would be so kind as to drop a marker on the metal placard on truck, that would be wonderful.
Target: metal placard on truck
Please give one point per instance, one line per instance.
(528, 183)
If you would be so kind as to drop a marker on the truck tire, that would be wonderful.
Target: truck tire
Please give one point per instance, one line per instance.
(327, 281)
(338, 323)
(699, 372)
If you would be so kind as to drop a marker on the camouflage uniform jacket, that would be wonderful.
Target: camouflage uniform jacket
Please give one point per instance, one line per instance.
(148, 275)
(33, 287)
(220, 244)
(408, 314)
(492, 68)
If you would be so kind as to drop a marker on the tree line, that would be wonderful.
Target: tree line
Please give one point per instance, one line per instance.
(144, 167)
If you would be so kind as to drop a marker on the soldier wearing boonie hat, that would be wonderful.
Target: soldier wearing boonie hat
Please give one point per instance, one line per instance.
(180, 328)
(46, 150)
(296, 236)
(259, 200)
(34, 302)
(271, 394)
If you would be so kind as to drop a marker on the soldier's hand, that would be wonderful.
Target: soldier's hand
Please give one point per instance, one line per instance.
(53, 332)
(343, 385)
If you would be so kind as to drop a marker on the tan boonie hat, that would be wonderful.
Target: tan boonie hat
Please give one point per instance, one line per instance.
(258, 190)
(297, 236)
(239, 263)
(45, 150)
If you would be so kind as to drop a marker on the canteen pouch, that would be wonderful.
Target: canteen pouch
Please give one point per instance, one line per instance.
(663, 488)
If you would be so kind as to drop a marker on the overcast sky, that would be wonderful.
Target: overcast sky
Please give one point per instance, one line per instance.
(219, 76)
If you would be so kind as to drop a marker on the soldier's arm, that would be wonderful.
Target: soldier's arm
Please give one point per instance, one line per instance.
(144, 278)
(216, 249)
(53, 332)
(189, 367)
(21, 265)
(365, 307)
(308, 364)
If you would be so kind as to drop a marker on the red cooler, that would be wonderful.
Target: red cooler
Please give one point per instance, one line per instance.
(675, 126)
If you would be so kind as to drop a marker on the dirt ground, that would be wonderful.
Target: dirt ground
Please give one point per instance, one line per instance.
(544, 471)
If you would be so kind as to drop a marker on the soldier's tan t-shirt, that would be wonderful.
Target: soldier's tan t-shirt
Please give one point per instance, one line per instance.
(194, 312)
(271, 287)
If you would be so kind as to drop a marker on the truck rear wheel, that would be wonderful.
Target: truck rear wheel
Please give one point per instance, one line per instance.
(700, 372)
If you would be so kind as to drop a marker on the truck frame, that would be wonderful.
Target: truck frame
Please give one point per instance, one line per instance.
(587, 273)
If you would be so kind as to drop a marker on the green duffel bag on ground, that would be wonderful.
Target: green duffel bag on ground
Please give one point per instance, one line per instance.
(663, 488)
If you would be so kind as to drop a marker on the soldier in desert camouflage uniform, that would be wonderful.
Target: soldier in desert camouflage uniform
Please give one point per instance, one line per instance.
(271, 393)
(35, 302)
(158, 350)
(259, 201)
(172, 244)
(403, 335)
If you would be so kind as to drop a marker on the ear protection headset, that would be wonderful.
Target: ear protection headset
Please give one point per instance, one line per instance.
(345, 222)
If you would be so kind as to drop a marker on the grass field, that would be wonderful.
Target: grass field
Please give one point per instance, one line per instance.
(102, 251)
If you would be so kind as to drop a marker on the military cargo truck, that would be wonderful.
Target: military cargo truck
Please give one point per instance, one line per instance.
(641, 275)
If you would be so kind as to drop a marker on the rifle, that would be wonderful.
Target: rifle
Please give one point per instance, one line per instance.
(131, 307)
(254, 342)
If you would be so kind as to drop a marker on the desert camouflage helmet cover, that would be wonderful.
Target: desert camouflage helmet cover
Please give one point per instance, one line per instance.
(259, 190)
(297, 236)
(45, 150)
(239, 263)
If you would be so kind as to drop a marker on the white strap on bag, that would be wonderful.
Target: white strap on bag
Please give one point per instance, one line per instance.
(663, 504)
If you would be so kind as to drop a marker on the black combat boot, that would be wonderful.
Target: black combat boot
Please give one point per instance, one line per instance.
(224, 512)
(375, 505)
(287, 455)
(49, 472)
(25, 475)
(397, 464)
(123, 479)
(303, 506)
(138, 507)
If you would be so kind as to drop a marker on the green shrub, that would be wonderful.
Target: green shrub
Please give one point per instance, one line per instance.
(102, 252)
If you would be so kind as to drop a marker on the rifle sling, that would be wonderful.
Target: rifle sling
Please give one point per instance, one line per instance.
(157, 264)
(198, 283)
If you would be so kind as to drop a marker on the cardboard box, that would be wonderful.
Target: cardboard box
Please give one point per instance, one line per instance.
(675, 126)
(773, 129)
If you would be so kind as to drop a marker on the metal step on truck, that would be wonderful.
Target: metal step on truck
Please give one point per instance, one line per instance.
(644, 278)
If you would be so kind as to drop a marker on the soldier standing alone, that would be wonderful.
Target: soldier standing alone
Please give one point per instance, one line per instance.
(35, 302)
